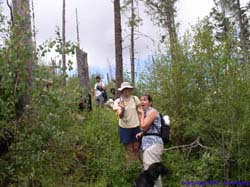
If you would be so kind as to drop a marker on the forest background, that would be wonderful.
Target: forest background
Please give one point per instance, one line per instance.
(201, 80)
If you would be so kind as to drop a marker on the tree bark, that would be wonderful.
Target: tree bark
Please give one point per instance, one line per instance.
(33, 24)
(22, 29)
(174, 51)
(132, 50)
(170, 23)
(77, 29)
(244, 39)
(83, 71)
(63, 45)
(118, 43)
(83, 75)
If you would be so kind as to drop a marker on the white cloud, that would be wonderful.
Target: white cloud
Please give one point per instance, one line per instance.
(96, 25)
(192, 10)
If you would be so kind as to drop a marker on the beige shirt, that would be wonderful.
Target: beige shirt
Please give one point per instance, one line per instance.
(130, 118)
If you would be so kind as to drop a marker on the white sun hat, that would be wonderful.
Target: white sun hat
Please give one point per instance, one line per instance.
(125, 85)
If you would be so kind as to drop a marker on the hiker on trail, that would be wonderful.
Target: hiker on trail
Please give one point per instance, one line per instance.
(99, 91)
(151, 145)
(126, 107)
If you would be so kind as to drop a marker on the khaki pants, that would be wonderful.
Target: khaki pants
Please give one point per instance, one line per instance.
(150, 156)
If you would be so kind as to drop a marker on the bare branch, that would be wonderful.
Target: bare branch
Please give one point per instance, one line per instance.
(194, 144)
(11, 12)
(202, 146)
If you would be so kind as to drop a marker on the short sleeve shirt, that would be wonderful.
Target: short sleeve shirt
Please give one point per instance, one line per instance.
(130, 118)
(98, 92)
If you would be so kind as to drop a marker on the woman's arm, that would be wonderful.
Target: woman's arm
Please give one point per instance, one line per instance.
(140, 113)
(148, 120)
(103, 87)
(121, 109)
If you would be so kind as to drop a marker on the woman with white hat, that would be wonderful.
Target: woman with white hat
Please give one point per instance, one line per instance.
(126, 107)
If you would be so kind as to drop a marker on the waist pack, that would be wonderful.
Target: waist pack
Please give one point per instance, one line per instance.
(164, 131)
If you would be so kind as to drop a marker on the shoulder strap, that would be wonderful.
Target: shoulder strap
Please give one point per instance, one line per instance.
(134, 100)
(155, 134)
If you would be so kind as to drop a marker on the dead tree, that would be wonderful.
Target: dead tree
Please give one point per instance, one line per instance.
(118, 43)
(77, 29)
(132, 50)
(63, 45)
(83, 75)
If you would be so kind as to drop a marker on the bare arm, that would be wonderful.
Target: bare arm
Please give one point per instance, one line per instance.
(121, 109)
(145, 122)
(103, 87)
(140, 113)
(148, 120)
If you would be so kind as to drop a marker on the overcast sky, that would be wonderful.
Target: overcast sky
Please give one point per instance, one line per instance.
(96, 25)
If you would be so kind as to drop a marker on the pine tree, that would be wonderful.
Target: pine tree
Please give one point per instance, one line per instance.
(118, 43)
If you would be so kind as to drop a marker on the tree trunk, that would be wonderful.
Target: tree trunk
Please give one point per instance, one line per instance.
(22, 29)
(83, 71)
(132, 50)
(241, 18)
(243, 36)
(170, 23)
(63, 45)
(118, 43)
(174, 51)
(164, 14)
(83, 75)
(77, 29)
(34, 25)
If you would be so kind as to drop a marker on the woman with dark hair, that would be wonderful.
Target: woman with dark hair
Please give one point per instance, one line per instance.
(151, 145)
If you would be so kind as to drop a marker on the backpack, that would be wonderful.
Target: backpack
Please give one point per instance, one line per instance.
(164, 130)
(105, 95)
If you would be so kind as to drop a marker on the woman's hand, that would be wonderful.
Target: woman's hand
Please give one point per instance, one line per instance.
(148, 120)
(139, 135)
(140, 110)
(121, 110)
(121, 104)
